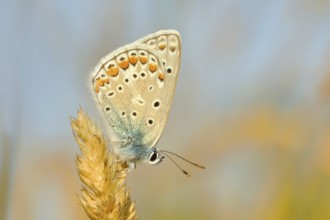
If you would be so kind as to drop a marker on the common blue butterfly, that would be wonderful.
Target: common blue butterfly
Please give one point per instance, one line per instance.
(134, 88)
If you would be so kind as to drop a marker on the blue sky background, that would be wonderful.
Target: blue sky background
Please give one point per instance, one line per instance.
(236, 55)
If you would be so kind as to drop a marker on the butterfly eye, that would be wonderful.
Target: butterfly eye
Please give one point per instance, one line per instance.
(153, 157)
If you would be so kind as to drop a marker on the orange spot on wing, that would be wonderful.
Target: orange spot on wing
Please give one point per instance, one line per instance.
(124, 64)
(113, 71)
(162, 46)
(161, 76)
(143, 60)
(106, 81)
(173, 48)
(100, 82)
(96, 88)
(153, 67)
(133, 60)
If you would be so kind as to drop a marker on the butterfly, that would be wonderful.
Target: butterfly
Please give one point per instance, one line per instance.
(134, 88)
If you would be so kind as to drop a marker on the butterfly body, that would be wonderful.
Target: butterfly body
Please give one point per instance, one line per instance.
(134, 88)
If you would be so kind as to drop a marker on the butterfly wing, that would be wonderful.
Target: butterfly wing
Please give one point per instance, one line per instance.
(134, 87)
(167, 43)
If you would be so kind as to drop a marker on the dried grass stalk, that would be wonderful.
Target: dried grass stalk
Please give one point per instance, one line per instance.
(104, 193)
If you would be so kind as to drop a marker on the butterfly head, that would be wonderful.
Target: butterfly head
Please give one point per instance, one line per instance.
(156, 156)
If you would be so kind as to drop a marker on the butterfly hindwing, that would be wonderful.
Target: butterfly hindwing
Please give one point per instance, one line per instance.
(129, 87)
(168, 45)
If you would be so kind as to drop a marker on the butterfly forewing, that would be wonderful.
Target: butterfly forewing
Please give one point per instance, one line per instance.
(129, 87)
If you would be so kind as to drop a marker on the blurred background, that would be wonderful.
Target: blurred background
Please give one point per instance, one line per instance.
(252, 104)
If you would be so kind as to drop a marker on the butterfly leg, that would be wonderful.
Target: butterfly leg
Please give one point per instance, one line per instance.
(131, 166)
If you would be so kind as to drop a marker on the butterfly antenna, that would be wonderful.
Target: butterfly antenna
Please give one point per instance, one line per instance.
(182, 158)
(183, 171)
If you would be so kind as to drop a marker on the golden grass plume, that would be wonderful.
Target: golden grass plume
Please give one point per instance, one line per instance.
(104, 193)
